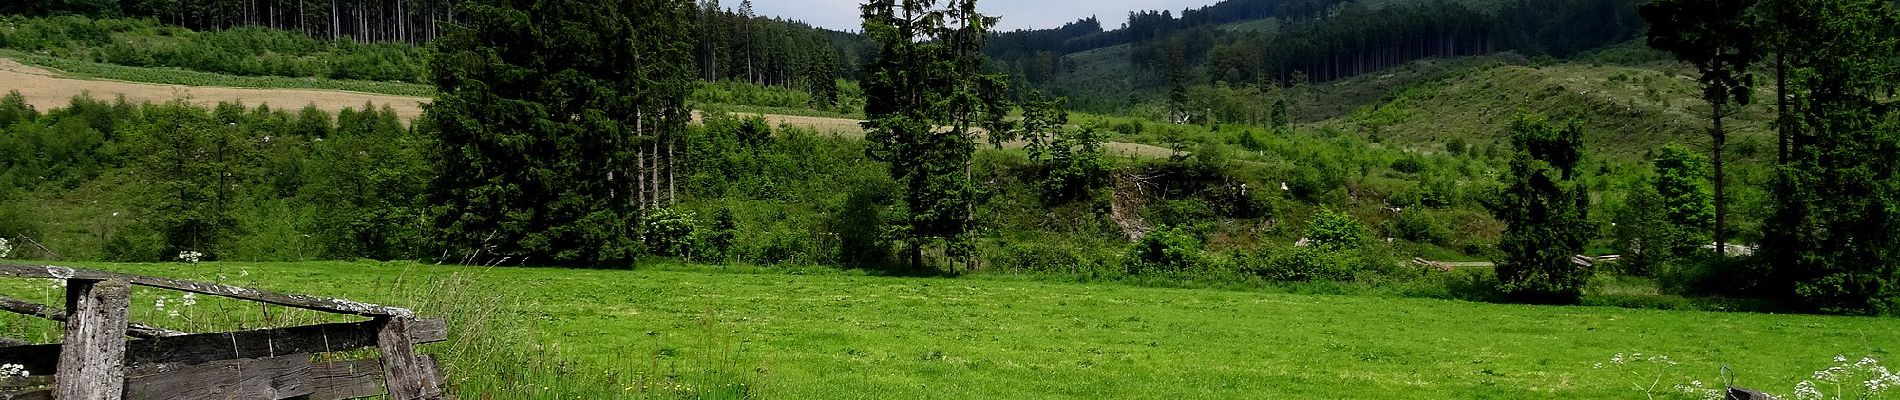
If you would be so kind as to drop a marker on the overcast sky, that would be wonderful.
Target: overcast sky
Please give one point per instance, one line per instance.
(1016, 14)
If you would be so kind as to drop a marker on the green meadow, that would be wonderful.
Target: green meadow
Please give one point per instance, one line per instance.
(736, 332)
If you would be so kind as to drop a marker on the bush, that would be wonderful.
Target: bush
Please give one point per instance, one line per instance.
(1705, 274)
(1166, 250)
(668, 232)
(1304, 264)
(1332, 230)
(1180, 213)
(1420, 226)
(1043, 257)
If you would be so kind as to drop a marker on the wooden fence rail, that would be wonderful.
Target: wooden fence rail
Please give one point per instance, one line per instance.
(97, 361)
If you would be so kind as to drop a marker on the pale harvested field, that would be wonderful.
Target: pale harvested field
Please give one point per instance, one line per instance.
(46, 89)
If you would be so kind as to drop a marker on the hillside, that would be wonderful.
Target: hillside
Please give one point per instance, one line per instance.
(1627, 111)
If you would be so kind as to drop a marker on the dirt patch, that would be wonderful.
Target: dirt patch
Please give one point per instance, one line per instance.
(46, 89)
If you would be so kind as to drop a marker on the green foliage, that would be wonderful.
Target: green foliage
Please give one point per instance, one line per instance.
(1669, 217)
(1335, 231)
(1545, 207)
(241, 51)
(1833, 238)
(549, 124)
(668, 233)
(1307, 264)
(929, 73)
(718, 237)
(1704, 274)
(365, 181)
(1164, 251)
(193, 162)
(1682, 182)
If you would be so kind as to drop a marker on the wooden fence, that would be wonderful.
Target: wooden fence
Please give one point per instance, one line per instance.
(96, 361)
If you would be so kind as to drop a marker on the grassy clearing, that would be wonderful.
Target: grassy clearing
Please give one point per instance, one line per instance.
(728, 333)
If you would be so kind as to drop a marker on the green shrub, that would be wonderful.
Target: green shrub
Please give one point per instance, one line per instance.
(1180, 213)
(1305, 264)
(781, 247)
(1334, 231)
(1421, 226)
(1704, 274)
(1166, 250)
(668, 232)
(1043, 257)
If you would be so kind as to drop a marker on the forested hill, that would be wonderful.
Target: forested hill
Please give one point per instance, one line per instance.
(731, 41)
(1284, 41)
(1238, 42)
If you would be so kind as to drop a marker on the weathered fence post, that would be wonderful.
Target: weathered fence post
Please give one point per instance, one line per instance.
(403, 372)
(92, 360)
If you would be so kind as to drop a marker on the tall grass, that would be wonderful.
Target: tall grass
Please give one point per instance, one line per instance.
(494, 348)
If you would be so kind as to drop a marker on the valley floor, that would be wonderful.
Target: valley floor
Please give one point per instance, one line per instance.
(837, 335)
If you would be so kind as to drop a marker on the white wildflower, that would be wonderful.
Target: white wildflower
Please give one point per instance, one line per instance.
(190, 299)
(1617, 359)
(13, 371)
(190, 256)
(1840, 358)
(173, 313)
(160, 303)
(5, 249)
(1806, 391)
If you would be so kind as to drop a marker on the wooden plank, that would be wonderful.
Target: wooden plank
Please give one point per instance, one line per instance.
(405, 374)
(330, 305)
(206, 347)
(41, 394)
(340, 380)
(92, 362)
(132, 329)
(269, 378)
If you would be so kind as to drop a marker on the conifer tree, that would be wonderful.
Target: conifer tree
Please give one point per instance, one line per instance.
(927, 93)
(1716, 38)
(1544, 206)
(555, 121)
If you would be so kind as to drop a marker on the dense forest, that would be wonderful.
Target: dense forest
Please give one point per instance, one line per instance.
(732, 43)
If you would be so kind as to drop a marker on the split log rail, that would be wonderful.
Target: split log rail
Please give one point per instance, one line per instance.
(96, 361)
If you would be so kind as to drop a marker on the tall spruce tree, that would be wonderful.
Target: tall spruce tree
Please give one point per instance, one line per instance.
(1835, 239)
(1545, 208)
(927, 93)
(1716, 38)
(554, 123)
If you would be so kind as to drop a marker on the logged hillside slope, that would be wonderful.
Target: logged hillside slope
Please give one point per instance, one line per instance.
(1627, 111)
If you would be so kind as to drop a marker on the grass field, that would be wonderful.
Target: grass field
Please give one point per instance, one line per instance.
(828, 334)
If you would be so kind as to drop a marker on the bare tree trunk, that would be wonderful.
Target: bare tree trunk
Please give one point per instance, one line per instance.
(1721, 183)
(672, 188)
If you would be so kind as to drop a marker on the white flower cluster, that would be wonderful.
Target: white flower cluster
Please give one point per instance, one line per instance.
(1695, 389)
(184, 302)
(5, 248)
(1864, 378)
(13, 371)
(1645, 373)
(190, 256)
